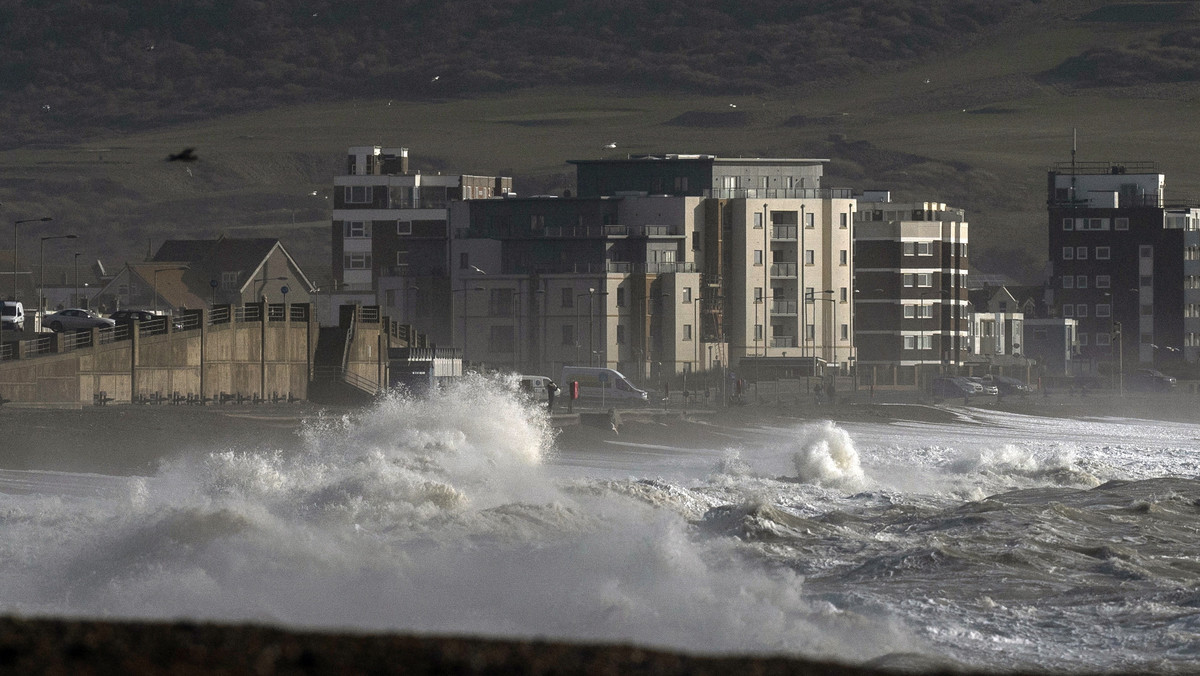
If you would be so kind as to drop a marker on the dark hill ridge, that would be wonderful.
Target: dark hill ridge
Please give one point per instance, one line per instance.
(70, 67)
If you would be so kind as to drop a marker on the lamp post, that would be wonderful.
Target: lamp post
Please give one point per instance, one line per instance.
(591, 323)
(464, 291)
(811, 297)
(42, 268)
(75, 300)
(43, 219)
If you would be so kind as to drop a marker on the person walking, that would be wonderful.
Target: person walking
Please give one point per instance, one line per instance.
(551, 390)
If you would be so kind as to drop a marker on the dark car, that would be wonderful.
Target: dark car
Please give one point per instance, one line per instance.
(1008, 386)
(131, 316)
(1150, 380)
(952, 387)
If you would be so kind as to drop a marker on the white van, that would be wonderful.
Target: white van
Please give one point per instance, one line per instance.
(12, 315)
(533, 386)
(603, 386)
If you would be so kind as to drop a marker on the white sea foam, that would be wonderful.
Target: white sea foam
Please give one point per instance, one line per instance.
(826, 456)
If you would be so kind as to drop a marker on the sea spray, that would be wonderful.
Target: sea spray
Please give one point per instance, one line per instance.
(826, 457)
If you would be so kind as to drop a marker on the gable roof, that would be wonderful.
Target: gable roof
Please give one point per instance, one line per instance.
(208, 258)
(169, 283)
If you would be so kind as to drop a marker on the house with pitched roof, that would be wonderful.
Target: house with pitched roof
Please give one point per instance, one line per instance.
(191, 274)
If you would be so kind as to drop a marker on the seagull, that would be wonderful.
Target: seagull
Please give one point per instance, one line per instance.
(733, 105)
(610, 145)
(436, 78)
(185, 155)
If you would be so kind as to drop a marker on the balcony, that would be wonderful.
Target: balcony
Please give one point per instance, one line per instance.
(783, 269)
(783, 341)
(784, 307)
(779, 193)
(784, 232)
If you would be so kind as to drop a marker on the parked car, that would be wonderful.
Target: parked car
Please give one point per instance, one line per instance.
(953, 387)
(130, 316)
(74, 319)
(1151, 380)
(12, 315)
(1008, 386)
(987, 387)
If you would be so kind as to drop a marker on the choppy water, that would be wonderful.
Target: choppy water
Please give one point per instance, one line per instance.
(1000, 542)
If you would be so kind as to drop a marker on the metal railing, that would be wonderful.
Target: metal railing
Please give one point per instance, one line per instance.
(785, 232)
(783, 269)
(783, 341)
(780, 193)
(784, 307)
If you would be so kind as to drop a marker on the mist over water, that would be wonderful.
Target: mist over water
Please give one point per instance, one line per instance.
(998, 543)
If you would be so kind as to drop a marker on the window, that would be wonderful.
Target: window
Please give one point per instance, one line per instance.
(758, 294)
(845, 332)
(810, 331)
(358, 194)
(1121, 223)
(1068, 224)
(910, 342)
(924, 249)
(403, 227)
(1068, 253)
(758, 332)
(500, 338)
(843, 293)
(500, 302)
(1095, 224)
(1081, 253)
(924, 311)
(568, 297)
(1068, 282)
(687, 331)
(1081, 310)
(229, 280)
(809, 257)
(910, 311)
(620, 334)
(357, 261)
(843, 223)
(909, 248)
(402, 261)
(687, 294)
(1103, 310)
(1081, 281)
(357, 229)
(537, 222)
(809, 220)
(620, 296)
(1103, 281)
(758, 221)
(1068, 310)
(843, 257)
(924, 279)
(681, 183)
(1146, 251)
(758, 257)
(568, 334)
(1103, 253)
(909, 279)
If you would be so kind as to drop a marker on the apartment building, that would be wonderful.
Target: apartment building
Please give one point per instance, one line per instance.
(390, 238)
(678, 263)
(1126, 266)
(911, 304)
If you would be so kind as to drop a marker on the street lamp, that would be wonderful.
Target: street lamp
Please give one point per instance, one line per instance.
(43, 219)
(42, 268)
(811, 297)
(591, 322)
(75, 300)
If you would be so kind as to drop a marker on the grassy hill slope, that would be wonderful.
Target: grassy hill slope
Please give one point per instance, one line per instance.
(975, 126)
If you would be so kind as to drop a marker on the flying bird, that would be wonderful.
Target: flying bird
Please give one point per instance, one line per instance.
(185, 155)
(610, 145)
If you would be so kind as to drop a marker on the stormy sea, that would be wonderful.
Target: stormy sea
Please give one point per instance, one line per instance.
(997, 541)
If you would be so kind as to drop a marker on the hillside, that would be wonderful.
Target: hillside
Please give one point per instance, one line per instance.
(964, 102)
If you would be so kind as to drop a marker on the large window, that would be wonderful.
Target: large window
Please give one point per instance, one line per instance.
(568, 297)
(500, 302)
(357, 261)
(358, 194)
(357, 229)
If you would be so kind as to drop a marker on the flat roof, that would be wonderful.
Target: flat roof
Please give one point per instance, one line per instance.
(671, 157)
